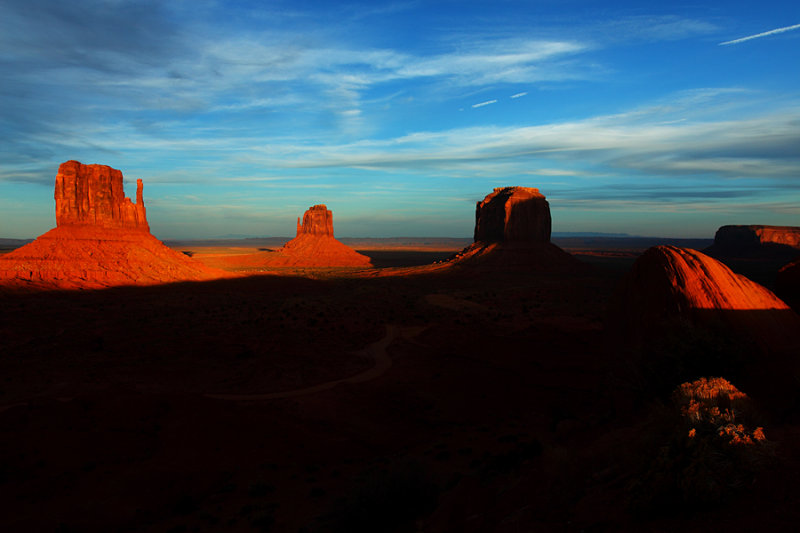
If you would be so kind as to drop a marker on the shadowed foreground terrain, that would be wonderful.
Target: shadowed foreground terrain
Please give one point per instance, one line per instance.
(500, 404)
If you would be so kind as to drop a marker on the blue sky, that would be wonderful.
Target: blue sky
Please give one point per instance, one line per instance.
(399, 116)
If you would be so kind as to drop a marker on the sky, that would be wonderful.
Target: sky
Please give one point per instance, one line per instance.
(238, 116)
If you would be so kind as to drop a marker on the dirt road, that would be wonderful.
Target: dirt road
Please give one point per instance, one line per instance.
(376, 350)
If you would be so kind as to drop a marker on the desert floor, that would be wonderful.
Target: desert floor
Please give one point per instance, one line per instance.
(334, 400)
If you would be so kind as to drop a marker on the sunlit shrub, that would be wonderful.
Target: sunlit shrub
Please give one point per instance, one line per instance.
(710, 451)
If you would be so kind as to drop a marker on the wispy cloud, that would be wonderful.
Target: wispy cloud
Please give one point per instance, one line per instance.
(509, 61)
(641, 142)
(487, 102)
(61, 77)
(764, 34)
(650, 28)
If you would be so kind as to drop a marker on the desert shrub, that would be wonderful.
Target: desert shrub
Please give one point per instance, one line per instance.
(709, 451)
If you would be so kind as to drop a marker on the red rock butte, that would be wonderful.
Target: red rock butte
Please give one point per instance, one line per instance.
(513, 214)
(92, 195)
(102, 239)
(512, 230)
(317, 220)
(667, 282)
(315, 245)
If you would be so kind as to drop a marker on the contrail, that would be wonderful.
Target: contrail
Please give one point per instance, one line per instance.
(756, 36)
(485, 103)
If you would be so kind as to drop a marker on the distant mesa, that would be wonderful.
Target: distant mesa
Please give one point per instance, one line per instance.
(668, 283)
(512, 230)
(315, 245)
(756, 240)
(102, 239)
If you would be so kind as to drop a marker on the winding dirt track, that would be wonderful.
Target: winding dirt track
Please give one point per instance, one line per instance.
(376, 350)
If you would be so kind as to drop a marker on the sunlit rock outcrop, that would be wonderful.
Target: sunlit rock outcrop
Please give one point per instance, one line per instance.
(667, 280)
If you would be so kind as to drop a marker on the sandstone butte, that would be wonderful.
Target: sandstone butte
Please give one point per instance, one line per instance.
(315, 245)
(751, 240)
(512, 230)
(668, 283)
(101, 239)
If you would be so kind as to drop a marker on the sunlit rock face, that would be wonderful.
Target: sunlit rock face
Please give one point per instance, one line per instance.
(315, 245)
(671, 280)
(102, 239)
(746, 240)
(669, 284)
(93, 195)
(513, 214)
(317, 220)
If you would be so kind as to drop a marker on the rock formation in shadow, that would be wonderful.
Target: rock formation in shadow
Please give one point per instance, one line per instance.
(315, 245)
(690, 315)
(512, 231)
(787, 284)
(102, 239)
